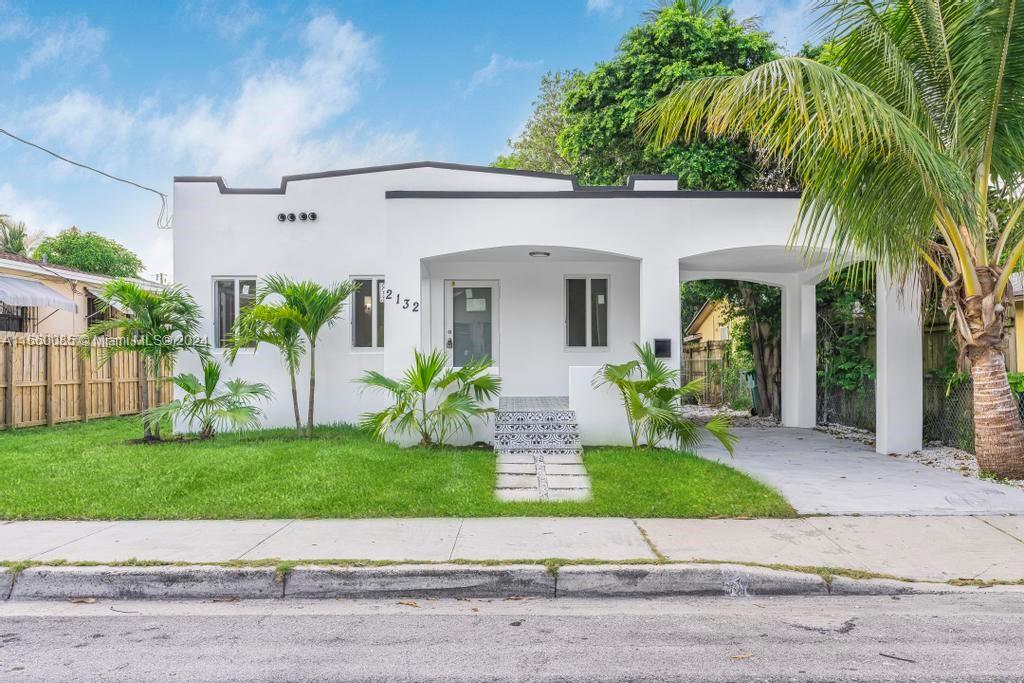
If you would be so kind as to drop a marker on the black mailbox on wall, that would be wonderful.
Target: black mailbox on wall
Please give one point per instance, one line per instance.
(662, 348)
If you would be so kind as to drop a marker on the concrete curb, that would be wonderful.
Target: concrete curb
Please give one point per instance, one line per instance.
(410, 580)
(684, 579)
(6, 582)
(133, 583)
(205, 582)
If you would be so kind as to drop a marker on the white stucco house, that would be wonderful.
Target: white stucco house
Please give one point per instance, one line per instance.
(548, 278)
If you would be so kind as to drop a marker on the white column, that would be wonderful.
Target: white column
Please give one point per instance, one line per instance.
(659, 304)
(799, 355)
(899, 402)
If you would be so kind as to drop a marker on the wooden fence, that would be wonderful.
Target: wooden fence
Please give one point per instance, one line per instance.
(46, 380)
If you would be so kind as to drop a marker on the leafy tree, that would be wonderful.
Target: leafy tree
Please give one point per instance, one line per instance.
(272, 323)
(432, 399)
(213, 408)
(903, 145)
(90, 252)
(536, 148)
(159, 325)
(653, 399)
(311, 307)
(602, 108)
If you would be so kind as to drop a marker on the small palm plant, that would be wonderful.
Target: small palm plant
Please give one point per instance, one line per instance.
(158, 325)
(271, 324)
(212, 408)
(432, 399)
(653, 401)
(311, 307)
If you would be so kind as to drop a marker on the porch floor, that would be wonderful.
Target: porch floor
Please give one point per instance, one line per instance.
(526, 403)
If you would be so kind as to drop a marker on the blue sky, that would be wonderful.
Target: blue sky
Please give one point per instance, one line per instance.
(254, 90)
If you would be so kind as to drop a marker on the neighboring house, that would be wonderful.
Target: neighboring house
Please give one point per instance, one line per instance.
(708, 325)
(39, 298)
(549, 279)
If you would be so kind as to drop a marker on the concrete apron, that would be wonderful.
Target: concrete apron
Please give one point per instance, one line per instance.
(205, 582)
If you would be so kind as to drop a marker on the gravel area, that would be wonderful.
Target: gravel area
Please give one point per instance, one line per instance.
(740, 418)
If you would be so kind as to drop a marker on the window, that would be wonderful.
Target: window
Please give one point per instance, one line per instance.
(368, 313)
(230, 295)
(17, 318)
(586, 312)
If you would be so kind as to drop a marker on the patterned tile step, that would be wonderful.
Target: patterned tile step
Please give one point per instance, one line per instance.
(546, 452)
(530, 416)
(535, 427)
(536, 441)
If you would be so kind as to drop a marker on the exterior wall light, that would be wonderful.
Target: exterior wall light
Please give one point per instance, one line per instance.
(540, 254)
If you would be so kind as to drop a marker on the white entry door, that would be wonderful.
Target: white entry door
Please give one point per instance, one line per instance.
(471, 320)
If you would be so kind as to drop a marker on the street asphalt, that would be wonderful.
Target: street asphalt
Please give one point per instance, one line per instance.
(947, 637)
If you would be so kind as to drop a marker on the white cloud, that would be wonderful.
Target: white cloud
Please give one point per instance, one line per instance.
(65, 42)
(497, 65)
(611, 8)
(38, 214)
(279, 120)
(229, 19)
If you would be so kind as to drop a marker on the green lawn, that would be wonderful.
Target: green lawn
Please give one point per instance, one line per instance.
(89, 471)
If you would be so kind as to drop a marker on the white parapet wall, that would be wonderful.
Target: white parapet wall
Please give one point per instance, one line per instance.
(599, 411)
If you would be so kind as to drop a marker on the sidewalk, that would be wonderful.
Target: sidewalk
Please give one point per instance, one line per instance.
(917, 548)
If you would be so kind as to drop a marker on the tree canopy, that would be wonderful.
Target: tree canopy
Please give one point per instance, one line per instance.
(603, 107)
(536, 147)
(90, 252)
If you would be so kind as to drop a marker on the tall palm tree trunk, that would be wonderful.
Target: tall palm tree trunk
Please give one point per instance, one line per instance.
(295, 400)
(312, 388)
(998, 433)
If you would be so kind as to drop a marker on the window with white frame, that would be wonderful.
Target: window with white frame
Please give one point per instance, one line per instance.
(586, 311)
(230, 295)
(368, 313)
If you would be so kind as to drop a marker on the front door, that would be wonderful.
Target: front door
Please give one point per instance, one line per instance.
(471, 320)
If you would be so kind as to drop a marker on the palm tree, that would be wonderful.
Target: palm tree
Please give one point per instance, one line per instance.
(653, 400)
(311, 307)
(271, 324)
(909, 145)
(158, 325)
(14, 237)
(204, 403)
(432, 399)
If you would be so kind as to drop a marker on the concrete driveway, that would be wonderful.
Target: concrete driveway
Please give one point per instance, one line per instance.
(820, 474)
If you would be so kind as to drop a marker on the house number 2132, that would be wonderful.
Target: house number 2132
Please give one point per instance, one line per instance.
(392, 295)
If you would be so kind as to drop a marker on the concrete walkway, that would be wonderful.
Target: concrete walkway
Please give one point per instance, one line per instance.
(922, 548)
(821, 475)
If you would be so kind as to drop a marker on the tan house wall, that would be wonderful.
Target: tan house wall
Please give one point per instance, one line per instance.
(51, 320)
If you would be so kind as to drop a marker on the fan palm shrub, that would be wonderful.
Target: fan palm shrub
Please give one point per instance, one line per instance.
(273, 324)
(211, 407)
(909, 146)
(653, 401)
(432, 399)
(157, 324)
(312, 307)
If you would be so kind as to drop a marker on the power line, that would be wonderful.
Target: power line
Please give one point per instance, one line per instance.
(163, 220)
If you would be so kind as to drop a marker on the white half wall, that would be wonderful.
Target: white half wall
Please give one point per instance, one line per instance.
(599, 411)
